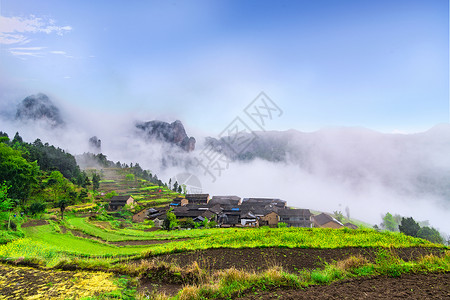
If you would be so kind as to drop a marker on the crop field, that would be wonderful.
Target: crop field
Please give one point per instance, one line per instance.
(161, 261)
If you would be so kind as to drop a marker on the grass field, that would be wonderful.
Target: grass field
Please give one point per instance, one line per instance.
(48, 237)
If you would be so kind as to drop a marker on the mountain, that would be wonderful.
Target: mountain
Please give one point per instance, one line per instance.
(173, 133)
(407, 163)
(39, 108)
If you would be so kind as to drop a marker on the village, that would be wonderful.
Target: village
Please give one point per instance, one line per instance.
(230, 211)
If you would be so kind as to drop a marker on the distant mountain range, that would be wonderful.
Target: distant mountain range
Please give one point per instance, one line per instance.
(408, 163)
(39, 108)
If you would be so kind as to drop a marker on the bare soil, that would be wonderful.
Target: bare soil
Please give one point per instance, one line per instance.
(296, 259)
(407, 286)
(33, 223)
(291, 259)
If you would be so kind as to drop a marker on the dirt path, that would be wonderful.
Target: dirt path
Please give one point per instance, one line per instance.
(408, 286)
(291, 259)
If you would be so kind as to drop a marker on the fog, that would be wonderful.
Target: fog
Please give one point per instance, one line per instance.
(328, 170)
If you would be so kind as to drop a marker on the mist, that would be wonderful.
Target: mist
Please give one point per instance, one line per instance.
(327, 170)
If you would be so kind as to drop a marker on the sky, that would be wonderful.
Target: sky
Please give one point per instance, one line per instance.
(382, 65)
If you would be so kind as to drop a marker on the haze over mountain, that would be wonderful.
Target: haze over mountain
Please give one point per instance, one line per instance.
(329, 169)
(173, 133)
(39, 108)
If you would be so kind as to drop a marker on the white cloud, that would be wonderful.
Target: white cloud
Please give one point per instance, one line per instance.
(14, 30)
(27, 48)
(58, 52)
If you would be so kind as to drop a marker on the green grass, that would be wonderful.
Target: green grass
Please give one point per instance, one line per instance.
(71, 244)
(107, 181)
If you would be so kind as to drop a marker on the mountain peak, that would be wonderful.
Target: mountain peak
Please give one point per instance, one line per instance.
(39, 107)
(173, 133)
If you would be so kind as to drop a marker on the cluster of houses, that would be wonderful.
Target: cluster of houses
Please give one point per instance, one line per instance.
(232, 211)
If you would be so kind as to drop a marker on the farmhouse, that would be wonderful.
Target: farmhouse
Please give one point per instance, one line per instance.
(225, 200)
(270, 219)
(265, 202)
(117, 202)
(295, 217)
(198, 198)
(325, 221)
(350, 225)
(229, 217)
(249, 219)
(179, 201)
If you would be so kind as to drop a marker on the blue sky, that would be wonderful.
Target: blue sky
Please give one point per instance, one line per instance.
(383, 65)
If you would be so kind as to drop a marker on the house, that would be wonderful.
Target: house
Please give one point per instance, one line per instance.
(154, 213)
(295, 217)
(210, 215)
(158, 223)
(184, 212)
(271, 202)
(117, 202)
(326, 221)
(249, 219)
(225, 200)
(350, 225)
(179, 201)
(270, 219)
(197, 198)
(140, 216)
(229, 218)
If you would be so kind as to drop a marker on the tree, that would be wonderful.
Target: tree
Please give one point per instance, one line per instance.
(62, 204)
(338, 215)
(175, 186)
(205, 222)
(129, 177)
(17, 173)
(36, 208)
(430, 234)
(170, 222)
(6, 204)
(179, 189)
(95, 181)
(409, 227)
(389, 222)
(347, 212)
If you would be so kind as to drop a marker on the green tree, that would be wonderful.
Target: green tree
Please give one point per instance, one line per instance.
(62, 204)
(17, 173)
(95, 181)
(6, 204)
(339, 216)
(430, 234)
(170, 222)
(175, 186)
(389, 222)
(129, 177)
(409, 226)
(36, 208)
(205, 223)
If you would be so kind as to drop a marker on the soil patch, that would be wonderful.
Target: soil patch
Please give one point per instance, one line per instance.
(150, 288)
(291, 259)
(408, 286)
(33, 223)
